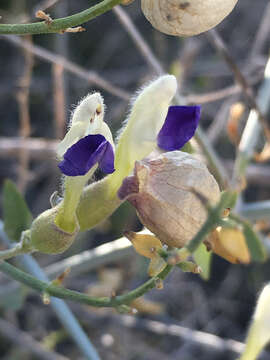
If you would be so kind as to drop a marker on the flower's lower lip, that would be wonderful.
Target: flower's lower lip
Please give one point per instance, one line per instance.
(85, 153)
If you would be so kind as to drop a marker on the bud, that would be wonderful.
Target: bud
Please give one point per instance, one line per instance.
(162, 191)
(47, 237)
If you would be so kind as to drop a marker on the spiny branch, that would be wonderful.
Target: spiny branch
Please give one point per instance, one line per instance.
(116, 301)
(59, 25)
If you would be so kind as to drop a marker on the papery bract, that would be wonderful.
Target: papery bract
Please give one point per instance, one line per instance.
(230, 244)
(148, 245)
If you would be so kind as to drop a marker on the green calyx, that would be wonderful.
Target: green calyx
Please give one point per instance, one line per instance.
(47, 237)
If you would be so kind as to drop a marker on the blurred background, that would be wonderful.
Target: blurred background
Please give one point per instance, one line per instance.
(42, 78)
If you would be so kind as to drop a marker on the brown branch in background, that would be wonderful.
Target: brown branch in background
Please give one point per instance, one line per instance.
(165, 328)
(221, 47)
(90, 76)
(22, 97)
(262, 34)
(219, 94)
(256, 174)
(139, 41)
(25, 341)
(187, 55)
(217, 127)
(59, 101)
(38, 148)
(44, 5)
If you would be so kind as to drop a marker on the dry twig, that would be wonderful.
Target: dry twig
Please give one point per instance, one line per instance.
(221, 47)
(22, 97)
(44, 5)
(37, 147)
(90, 76)
(262, 34)
(59, 101)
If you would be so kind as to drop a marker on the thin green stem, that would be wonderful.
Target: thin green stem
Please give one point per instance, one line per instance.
(60, 24)
(214, 162)
(214, 216)
(76, 296)
(23, 247)
(14, 251)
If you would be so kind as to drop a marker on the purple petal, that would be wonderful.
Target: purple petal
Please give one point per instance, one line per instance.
(106, 163)
(85, 153)
(179, 126)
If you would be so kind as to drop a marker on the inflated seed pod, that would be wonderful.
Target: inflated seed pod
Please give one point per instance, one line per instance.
(186, 17)
(162, 191)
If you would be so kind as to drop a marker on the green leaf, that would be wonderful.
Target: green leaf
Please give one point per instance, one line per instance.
(17, 216)
(203, 258)
(254, 243)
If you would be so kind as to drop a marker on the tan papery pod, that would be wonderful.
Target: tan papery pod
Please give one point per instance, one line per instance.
(161, 191)
(186, 17)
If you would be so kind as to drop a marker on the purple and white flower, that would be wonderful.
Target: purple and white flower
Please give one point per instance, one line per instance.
(179, 127)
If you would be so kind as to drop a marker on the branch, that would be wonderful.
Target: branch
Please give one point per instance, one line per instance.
(61, 24)
(39, 148)
(252, 130)
(220, 46)
(220, 94)
(14, 251)
(76, 296)
(46, 55)
(214, 215)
